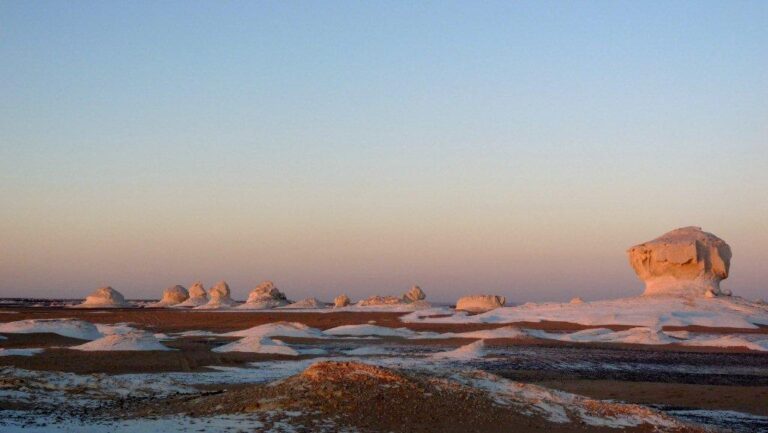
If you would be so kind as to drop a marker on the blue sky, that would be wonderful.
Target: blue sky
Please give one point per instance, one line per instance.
(512, 147)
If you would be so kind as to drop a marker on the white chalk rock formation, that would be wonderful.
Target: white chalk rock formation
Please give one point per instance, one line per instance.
(104, 297)
(341, 301)
(265, 296)
(172, 296)
(307, 303)
(480, 303)
(683, 262)
(415, 294)
(380, 300)
(219, 297)
(197, 296)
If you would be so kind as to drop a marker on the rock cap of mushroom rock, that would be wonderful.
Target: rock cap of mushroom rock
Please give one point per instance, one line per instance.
(265, 296)
(171, 296)
(684, 262)
(480, 303)
(104, 297)
(219, 296)
(197, 296)
(415, 294)
(341, 301)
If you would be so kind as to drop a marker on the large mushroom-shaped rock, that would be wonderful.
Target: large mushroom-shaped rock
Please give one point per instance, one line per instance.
(219, 296)
(341, 301)
(264, 296)
(683, 262)
(415, 294)
(197, 296)
(480, 303)
(104, 297)
(172, 296)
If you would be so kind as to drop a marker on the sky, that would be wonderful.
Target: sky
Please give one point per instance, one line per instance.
(516, 148)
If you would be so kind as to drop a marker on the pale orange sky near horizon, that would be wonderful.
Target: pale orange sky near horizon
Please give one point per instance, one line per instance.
(514, 148)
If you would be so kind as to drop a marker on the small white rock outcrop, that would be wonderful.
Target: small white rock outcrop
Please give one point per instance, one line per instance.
(104, 297)
(414, 295)
(309, 303)
(684, 262)
(265, 296)
(219, 297)
(480, 303)
(172, 296)
(380, 300)
(341, 301)
(197, 296)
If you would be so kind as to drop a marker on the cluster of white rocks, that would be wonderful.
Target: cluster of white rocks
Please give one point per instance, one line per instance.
(415, 297)
(219, 297)
(197, 297)
(686, 262)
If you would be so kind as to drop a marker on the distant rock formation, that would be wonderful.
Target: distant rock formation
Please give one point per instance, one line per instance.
(415, 294)
(104, 297)
(265, 296)
(683, 262)
(480, 303)
(380, 300)
(310, 303)
(577, 300)
(341, 301)
(219, 297)
(411, 300)
(172, 296)
(197, 296)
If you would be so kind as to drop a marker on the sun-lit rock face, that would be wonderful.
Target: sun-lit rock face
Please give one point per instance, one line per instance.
(341, 301)
(686, 261)
(380, 300)
(480, 303)
(264, 296)
(265, 291)
(197, 296)
(104, 297)
(219, 296)
(172, 296)
(197, 291)
(415, 294)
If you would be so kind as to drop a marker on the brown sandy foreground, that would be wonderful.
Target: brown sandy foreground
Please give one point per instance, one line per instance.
(384, 400)
(369, 398)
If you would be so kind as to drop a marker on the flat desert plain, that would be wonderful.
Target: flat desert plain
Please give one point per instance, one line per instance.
(162, 369)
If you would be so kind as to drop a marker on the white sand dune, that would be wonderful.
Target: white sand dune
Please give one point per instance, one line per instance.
(279, 329)
(131, 341)
(467, 352)
(65, 327)
(647, 311)
(258, 344)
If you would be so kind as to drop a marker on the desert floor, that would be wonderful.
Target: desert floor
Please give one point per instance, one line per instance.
(694, 384)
